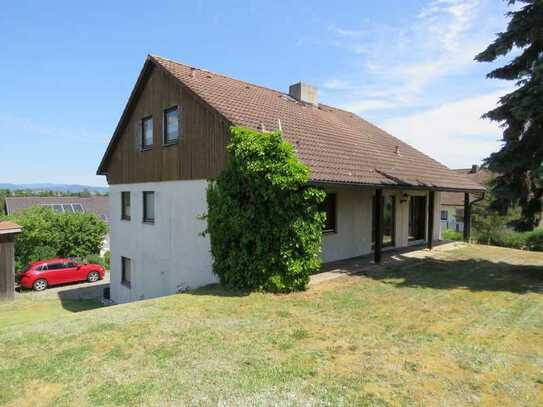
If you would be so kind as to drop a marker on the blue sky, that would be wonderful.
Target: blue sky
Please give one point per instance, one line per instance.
(68, 67)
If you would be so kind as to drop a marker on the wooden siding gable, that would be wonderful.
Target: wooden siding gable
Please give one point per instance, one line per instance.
(200, 152)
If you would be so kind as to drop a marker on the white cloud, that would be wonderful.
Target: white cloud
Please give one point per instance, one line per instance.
(452, 133)
(394, 66)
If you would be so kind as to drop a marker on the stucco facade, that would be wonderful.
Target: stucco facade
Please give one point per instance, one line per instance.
(167, 256)
(171, 254)
(353, 236)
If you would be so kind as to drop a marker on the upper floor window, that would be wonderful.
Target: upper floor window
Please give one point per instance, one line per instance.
(125, 205)
(146, 133)
(149, 207)
(171, 125)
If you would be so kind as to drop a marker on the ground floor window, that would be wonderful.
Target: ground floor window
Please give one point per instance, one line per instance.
(389, 221)
(444, 215)
(417, 218)
(126, 271)
(329, 208)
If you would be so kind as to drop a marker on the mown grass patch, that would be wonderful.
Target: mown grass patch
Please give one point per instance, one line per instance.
(465, 327)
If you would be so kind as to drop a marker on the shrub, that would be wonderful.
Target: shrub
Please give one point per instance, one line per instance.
(95, 259)
(263, 219)
(534, 240)
(49, 234)
(107, 259)
(449, 234)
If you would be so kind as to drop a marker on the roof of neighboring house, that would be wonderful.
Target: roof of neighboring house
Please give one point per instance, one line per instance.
(337, 145)
(480, 176)
(7, 227)
(95, 204)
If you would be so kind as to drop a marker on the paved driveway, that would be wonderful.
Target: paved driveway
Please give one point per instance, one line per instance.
(75, 291)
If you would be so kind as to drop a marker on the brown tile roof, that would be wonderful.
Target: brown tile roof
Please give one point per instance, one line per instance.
(481, 176)
(9, 227)
(337, 145)
(95, 204)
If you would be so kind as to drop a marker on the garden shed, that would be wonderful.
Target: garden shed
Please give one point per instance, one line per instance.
(8, 231)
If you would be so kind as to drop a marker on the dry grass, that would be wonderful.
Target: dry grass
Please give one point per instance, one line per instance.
(465, 327)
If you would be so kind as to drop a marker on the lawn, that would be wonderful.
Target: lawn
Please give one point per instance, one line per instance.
(465, 327)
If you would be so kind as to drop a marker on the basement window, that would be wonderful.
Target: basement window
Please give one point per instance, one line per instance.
(126, 271)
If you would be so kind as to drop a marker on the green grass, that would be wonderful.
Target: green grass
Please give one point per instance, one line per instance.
(463, 328)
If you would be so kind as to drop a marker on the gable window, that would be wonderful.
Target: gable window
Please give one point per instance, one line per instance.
(125, 205)
(444, 215)
(149, 207)
(146, 133)
(329, 208)
(171, 125)
(126, 271)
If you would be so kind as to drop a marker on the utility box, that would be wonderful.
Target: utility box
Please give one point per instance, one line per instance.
(8, 231)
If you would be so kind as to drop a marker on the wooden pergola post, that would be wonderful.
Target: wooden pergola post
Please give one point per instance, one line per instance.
(8, 230)
(379, 229)
(431, 207)
(467, 218)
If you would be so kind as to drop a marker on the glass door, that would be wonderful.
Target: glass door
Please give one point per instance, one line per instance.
(389, 222)
(417, 218)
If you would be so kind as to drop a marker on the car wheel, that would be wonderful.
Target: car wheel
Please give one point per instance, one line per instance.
(39, 285)
(93, 277)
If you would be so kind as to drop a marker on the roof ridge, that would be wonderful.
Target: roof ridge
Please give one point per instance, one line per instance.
(158, 57)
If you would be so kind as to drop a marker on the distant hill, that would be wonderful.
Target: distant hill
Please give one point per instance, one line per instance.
(55, 187)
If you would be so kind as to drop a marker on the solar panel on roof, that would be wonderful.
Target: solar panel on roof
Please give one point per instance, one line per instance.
(77, 207)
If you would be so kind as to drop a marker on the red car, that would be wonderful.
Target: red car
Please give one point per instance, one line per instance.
(41, 274)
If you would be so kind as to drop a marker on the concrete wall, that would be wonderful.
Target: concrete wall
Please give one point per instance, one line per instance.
(168, 255)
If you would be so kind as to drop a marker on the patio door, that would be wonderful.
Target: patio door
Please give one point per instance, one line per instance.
(417, 218)
(389, 222)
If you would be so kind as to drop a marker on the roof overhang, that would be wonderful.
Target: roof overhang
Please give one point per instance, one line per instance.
(356, 185)
(9, 228)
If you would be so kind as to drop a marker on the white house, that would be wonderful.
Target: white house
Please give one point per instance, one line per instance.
(172, 138)
(451, 214)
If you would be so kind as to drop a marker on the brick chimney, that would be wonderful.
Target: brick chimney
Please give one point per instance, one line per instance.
(303, 92)
(474, 169)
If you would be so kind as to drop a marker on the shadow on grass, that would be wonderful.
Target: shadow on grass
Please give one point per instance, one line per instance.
(82, 298)
(218, 290)
(470, 274)
(80, 305)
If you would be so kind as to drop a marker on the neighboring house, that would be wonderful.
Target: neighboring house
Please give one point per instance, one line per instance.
(172, 138)
(71, 204)
(452, 203)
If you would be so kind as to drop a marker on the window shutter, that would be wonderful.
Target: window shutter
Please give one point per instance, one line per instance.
(137, 135)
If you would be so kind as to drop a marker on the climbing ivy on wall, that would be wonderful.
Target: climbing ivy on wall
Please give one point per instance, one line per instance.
(263, 218)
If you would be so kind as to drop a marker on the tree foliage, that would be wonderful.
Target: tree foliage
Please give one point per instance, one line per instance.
(263, 219)
(519, 163)
(49, 234)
